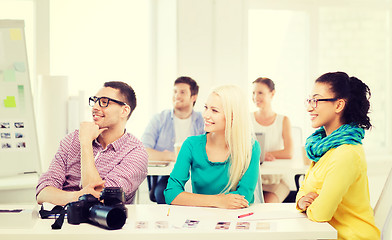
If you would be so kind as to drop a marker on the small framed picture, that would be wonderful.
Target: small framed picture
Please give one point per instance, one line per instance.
(4, 125)
(19, 124)
(21, 145)
(5, 135)
(5, 145)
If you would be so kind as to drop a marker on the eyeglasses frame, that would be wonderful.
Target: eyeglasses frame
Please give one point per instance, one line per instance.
(316, 100)
(98, 99)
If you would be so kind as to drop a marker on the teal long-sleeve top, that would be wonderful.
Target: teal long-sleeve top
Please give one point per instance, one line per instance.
(208, 178)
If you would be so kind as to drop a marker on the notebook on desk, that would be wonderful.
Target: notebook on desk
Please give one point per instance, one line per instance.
(261, 139)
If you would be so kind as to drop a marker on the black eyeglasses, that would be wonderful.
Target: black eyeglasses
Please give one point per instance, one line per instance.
(313, 101)
(103, 101)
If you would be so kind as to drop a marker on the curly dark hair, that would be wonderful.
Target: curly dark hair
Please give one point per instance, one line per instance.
(354, 92)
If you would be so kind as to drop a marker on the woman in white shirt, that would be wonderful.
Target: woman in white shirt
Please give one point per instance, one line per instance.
(278, 142)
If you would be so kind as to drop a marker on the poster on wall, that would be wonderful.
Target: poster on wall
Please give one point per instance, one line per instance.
(18, 136)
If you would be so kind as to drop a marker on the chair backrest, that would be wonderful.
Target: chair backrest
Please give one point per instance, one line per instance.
(258, 195)
(261, 139)
(259, 198)
(296, 135)
(383, 209)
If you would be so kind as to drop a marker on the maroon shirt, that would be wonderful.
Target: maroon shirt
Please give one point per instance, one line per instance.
(122, 164)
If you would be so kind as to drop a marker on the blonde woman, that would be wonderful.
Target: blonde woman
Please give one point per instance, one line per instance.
(224, 162)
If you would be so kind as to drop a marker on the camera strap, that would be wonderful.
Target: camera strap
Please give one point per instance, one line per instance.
(56, 211)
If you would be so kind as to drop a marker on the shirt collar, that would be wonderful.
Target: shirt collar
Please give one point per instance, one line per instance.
(116, 144)
(172, 113)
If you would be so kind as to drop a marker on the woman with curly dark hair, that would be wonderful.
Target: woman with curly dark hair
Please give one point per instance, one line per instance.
(335, 188)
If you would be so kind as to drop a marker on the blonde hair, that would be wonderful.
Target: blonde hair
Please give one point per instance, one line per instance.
(238, 131)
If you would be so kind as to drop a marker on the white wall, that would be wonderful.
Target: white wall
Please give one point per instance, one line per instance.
(211, 43)
(92, 42)
(212, 47)
(204, 39)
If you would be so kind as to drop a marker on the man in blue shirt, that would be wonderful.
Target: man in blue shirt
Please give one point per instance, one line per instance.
(170, 127)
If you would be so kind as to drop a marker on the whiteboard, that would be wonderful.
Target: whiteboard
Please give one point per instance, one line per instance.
(19, 152)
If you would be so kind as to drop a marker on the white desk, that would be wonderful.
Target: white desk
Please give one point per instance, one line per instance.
(290, 228)
(279, 166)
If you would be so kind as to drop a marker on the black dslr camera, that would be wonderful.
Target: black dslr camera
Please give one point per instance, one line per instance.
(110, 214)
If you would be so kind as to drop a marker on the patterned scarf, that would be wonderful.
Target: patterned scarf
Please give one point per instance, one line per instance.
(319, 143)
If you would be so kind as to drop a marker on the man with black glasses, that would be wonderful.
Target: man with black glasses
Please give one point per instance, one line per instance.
(100, 154)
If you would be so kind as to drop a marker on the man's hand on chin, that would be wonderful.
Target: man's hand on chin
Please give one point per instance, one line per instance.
(89, 131)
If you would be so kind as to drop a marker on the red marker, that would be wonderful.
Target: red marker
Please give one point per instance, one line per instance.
(245, 215)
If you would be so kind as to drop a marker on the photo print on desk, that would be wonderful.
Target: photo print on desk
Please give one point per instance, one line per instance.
(141, 224)
(266, 226)
(161, 224)
(243, 225)
(191, 223)
(222, 225)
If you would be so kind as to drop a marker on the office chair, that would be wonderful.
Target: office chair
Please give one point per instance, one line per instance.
(383, 210)
(259, 197)
(296, 133)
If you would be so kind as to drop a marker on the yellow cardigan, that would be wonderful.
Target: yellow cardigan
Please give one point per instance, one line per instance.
(340, 179)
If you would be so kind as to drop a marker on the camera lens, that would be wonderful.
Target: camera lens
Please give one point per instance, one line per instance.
(112, 196)
(109, 217)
